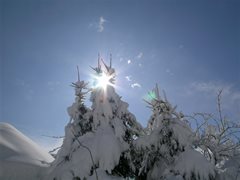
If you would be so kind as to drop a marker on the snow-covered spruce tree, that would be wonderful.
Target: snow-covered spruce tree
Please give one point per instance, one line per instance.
(112, 118)
(167, 151)
(97, 141)
(81, 122)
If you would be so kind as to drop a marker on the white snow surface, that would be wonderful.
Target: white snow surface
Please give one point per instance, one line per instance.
(105, 147)
(191, 161)
(20, 157)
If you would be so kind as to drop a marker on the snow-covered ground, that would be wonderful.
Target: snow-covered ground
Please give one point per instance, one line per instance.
(20, 157)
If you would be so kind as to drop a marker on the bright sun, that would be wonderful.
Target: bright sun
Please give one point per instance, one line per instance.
(103, 81)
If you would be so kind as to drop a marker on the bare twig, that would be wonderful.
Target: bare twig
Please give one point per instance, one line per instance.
(54, 137)
(220, 108)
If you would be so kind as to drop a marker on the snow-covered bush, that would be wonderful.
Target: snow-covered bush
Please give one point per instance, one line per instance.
(165, 149)
(217, 137)
(230, 169)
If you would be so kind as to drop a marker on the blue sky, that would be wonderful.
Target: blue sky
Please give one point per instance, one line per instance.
(190, 48)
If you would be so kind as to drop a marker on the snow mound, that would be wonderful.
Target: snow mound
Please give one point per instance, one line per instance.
(192, 163)
(20, 157)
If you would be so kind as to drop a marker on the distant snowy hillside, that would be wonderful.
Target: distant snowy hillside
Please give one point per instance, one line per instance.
(20, 157)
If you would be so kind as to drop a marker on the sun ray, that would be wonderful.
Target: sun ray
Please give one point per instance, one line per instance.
(104, 80)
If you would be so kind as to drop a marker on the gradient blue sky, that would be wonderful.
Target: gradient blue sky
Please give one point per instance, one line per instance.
(191, 48)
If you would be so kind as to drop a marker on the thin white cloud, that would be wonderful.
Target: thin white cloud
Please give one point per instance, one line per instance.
(128, 78)
(101, 24)
(140, 55)
(169, 72)
(129, 61)
(210, 87)
(136, 85)
(230, 95)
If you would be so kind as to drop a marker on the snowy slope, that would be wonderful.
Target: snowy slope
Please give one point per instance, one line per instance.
(20, 157)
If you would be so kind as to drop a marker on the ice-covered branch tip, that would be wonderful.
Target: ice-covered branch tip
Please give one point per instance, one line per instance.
(160, 105)
(154, 99)
(81, 88)
(104, 74)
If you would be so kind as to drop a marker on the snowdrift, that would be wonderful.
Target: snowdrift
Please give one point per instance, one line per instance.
(20, 157)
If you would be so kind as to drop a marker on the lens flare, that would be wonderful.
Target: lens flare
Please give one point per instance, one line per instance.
(103, 81)
(151, 96)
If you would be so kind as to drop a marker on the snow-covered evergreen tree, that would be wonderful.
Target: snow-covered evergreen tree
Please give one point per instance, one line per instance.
(106, 142)
(167, 151)
(80, 115)
(97, 141)
(111, 114)
(81, 121)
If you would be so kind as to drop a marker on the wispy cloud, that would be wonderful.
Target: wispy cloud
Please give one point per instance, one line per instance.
(140, 55)
(136, 85)
(210, 87)
(128, 78)
(129, 61)
(230, 95)
(101, 24)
